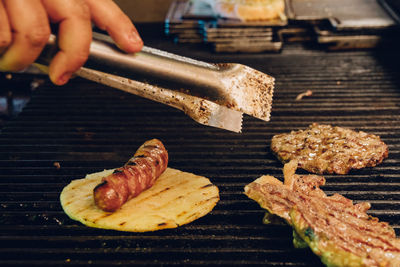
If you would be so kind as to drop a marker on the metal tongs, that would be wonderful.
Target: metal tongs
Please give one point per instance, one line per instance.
(211, 94)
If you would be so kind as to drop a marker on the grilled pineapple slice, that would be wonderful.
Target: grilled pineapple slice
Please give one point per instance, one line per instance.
(177, 198)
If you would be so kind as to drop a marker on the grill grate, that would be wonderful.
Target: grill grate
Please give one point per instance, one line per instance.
(86, 127)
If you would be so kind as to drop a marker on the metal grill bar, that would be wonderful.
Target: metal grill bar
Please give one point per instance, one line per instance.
(86, 128)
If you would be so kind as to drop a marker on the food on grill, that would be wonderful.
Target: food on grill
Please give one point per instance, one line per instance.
(339, 232)
(250, 10)
(302, 95)
(175, 199)
(57, 165)
(326, 149)
(279, 203)
(137, 175)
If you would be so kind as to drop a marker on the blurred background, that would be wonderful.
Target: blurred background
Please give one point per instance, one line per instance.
(155, 10)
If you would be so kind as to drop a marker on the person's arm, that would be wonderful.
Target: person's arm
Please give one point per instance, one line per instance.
(25, 29)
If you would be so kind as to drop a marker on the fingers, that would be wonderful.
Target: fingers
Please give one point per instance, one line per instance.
(108, 16)
(24, 31)
(28, 22)
(5, 30)
(74, 37)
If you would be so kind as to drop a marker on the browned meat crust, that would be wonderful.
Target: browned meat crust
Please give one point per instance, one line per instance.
(326, 149)
(137, 175)
(338, 231)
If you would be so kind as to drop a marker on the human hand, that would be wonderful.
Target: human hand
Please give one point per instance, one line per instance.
(25, 30)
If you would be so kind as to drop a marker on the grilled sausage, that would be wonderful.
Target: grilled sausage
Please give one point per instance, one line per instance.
(137, 175)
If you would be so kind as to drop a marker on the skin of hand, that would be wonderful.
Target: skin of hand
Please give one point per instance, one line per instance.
(25, 30)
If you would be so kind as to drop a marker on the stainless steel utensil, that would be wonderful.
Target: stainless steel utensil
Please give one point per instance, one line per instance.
(212, 94)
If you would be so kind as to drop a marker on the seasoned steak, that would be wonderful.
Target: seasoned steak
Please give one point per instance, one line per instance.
(339, 232)
(327, 149)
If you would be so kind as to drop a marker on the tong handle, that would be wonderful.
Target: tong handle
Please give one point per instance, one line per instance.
(150, 65)
(234, 86)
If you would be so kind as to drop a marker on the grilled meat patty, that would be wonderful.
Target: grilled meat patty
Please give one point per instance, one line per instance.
(335, 229)
(327, 149)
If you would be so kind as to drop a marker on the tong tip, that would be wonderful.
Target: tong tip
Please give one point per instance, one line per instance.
(214, 115)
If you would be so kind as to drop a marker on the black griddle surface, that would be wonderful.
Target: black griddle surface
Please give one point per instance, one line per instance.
(87, 127)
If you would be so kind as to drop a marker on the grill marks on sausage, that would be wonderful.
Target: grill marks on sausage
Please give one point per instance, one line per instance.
(101, 184)
(332, 226)
(137, 175)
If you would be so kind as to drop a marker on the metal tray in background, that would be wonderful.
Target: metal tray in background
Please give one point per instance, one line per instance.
(182, 30)
(344, 15)
(196, 10)
(175, 23)
(346, 24)
(335, 25)
(188, 22)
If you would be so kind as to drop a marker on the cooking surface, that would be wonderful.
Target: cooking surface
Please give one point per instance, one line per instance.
(86, 127)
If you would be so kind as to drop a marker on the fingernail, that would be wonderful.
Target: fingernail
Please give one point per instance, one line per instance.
(135, 38)
(63, 79)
